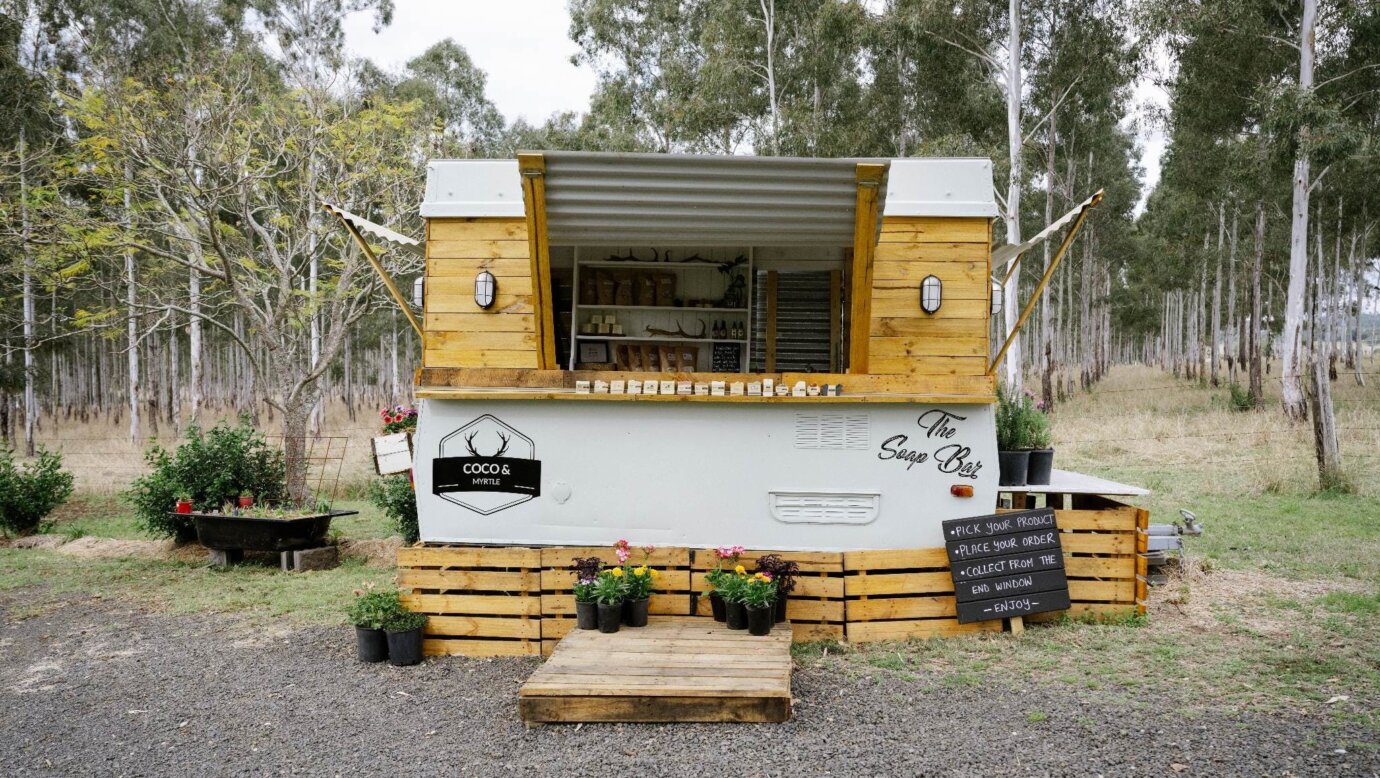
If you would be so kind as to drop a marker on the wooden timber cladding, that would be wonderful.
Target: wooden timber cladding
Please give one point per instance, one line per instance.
(495, 601)
(952, 343)
(459, 332)
(480, 601)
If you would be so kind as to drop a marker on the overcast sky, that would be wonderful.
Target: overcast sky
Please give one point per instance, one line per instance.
(524, 46)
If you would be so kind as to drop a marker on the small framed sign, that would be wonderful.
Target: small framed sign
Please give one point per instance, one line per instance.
(393, 453)
(598, 351)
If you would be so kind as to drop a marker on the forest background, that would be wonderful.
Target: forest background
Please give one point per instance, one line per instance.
(162, 164)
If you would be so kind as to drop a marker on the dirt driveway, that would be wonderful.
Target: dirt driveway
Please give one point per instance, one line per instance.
(94, 688)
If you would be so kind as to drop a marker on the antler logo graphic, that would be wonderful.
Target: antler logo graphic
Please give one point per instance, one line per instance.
(504, 440)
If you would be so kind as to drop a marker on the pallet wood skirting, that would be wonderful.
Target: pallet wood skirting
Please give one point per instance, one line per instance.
(508, 601)
(481, 601)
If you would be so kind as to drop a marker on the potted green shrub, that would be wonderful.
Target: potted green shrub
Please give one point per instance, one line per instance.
(783, 572)
(732, 588)
(1013, 447)
(404, 630)
(638, 597)
(586, 594)
(759, 601)
(369, 612)
(1039, 439)
(246, 499)
(184, 502)
(609, 591)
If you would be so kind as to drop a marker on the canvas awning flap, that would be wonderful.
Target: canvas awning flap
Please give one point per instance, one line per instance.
(370, 228)
(669, 199)
(1004, 255)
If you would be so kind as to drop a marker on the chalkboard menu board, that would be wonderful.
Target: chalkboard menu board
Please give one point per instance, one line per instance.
(728, 358)
(1007, 564)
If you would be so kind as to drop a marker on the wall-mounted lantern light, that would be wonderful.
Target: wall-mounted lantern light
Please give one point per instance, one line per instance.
(998, 296)
(418, 291)
(485, 289)
(931, 294)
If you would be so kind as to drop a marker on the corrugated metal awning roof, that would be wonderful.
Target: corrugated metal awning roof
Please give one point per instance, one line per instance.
(642, 199)
(1006, 254)
(365, 226)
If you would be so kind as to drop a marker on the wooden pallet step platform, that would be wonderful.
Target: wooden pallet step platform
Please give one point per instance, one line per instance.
(677, 668)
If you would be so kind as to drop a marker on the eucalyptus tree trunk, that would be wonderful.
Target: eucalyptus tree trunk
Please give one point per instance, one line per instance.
(1292, 398)
(1046, 337)
(1354, 328)
(769, 25)
(1233, 333)
(25, 227)
(1216, 335)
(131, 323)
(1013, 185)
(195, 379)
(1257, 387)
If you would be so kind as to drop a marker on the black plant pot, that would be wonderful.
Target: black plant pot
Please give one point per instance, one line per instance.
(716, 606)
(405, 648)
(1014, 465)
(779, 610)
(1041, 466)
(587, 615)
(610, 616)
(759, 620)
(372, 644)
(635, 612)
(736, 615)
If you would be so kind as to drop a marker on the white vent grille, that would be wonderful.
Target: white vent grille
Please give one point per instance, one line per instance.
(824, 507)
(825, 430)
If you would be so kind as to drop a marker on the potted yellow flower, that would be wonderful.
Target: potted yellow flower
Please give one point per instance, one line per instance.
(609, 590)
(639, 594)
(732, 587)
(759, 600)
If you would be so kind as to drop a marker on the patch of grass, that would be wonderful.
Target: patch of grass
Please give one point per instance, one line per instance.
(256, 591)
(1036, 717)
(1367, 605)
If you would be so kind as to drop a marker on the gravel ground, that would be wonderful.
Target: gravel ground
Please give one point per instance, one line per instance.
(94, 688)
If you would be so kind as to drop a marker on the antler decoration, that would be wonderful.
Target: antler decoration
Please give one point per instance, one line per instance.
(503, 449)
(469, 443)
(680, 332)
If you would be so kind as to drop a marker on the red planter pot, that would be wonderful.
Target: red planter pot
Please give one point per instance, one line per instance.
(184, 506)
(247, 502)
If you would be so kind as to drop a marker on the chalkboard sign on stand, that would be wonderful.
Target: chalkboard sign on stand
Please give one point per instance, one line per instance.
(1006, 565)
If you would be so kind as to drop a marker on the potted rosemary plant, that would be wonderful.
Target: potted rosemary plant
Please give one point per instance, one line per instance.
(1039, 440)
(759, 600)
(369, 612)
(586, 598)
(609, 591)
(404, 630)
(1013, 448)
